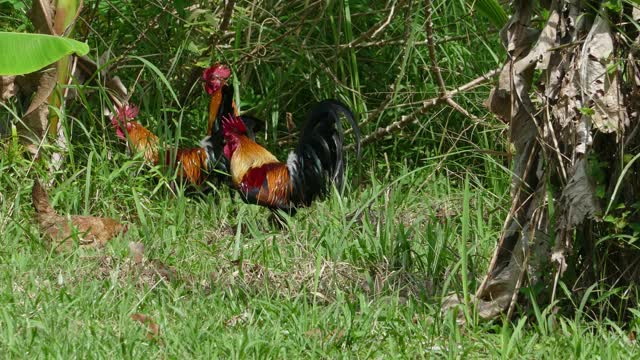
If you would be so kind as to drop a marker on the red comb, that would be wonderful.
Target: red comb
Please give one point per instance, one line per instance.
(217, 71)
(121, 118)
(125, 112)
(214, 77)
(231, 123)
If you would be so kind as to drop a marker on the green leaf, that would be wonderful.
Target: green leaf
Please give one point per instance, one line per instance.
(587, 111)
(17, 4)
(493, 11)
(180, 6)
(25, 53)
(613, 5)
(161, 76)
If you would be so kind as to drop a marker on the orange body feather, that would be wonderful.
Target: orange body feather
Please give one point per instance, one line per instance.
(194, 164)
(259, 175)
(192, 161)
(143, 140)
(276, 190)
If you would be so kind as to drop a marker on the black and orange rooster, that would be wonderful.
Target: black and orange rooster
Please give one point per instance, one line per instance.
(311, 169)
(194, 164)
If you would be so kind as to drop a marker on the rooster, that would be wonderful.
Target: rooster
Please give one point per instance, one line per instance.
(221, 105)
(194, 164)
(140, 138)
(93, 231)
(310, 170)
(190, 162)
(215, 84)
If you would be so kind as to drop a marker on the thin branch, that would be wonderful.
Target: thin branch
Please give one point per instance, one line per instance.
(427, 104)
(397, 41)
(226, 20)
(374, 31)
(396, 84)
(428, 12)
(462, 110)
(445, 97)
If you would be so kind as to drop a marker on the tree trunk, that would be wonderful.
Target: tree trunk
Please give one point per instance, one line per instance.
(570, 95)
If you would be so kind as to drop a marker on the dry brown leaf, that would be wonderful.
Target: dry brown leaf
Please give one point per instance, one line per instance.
(579, 196)
(599, 81)
(33, 126)
(34, 122)
(237, 319)
(7, 87)
(137, 251)
(41, 15)
(153, 329)
(486, 309)
(93, 231)
(291, 126)
(569, 100)
(46, 82)
(117, 90)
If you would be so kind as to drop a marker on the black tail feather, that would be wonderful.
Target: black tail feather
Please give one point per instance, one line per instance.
(253, 124)
(226, 108)
(319, 157)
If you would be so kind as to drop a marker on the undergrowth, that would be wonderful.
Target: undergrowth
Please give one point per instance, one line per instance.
(361, 273)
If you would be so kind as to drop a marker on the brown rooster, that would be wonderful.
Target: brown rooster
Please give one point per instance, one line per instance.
(191, 162)
(310, 170)
(92, 230)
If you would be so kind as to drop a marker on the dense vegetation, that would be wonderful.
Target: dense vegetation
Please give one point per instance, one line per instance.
(363, 272)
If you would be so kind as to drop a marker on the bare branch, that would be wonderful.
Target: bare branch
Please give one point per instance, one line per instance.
(427, 104)
(226, 16)
(224, 24)
(461, 110)
(396, 84)
(428, 13)
(374, 31)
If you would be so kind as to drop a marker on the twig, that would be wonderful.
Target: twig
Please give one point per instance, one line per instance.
(428, 13)
(258, 48)
(444, 97)
(374, 31)
(427, 104)
(396, 84)
(397, 41)
(226, 16)
(462, 110)
(226, 20)
(404, 120)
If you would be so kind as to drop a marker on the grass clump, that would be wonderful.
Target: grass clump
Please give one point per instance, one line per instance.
(361, 274)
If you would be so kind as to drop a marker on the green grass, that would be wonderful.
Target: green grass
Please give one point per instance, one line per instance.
(360, 274)
(357, 275)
